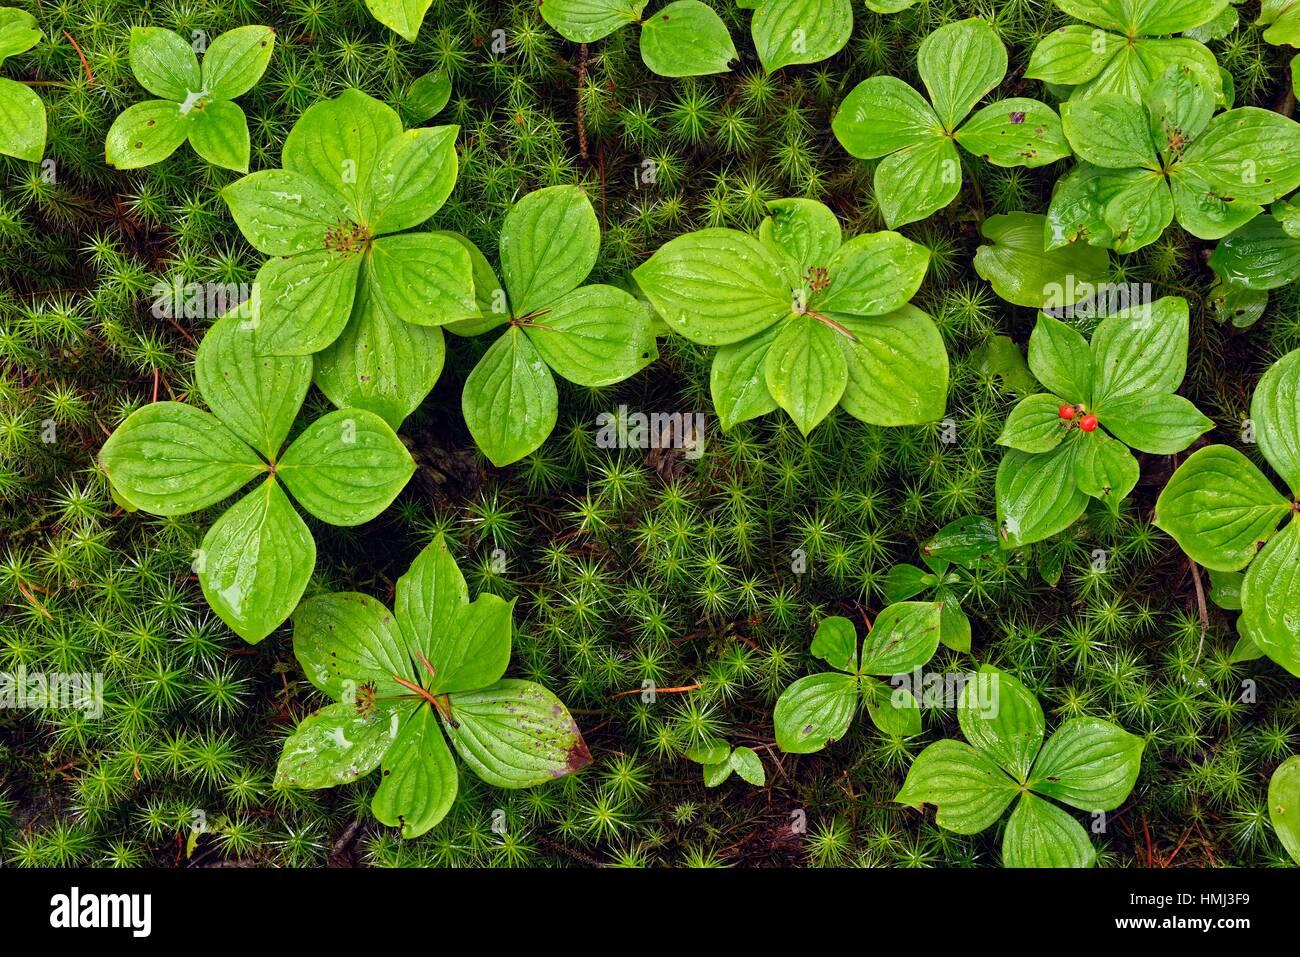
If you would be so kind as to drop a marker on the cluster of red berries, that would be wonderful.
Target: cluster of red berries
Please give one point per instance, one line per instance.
(1087, 424)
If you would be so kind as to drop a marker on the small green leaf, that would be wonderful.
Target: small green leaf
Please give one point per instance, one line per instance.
(256, 561)
(403, 17)
(836, 643)
(173, 459)
(903, 582)
(686, 38)
(1104, 469)
(873, 274)
(897, 366)
(737, 381)
(346, 467)
(1069, 56)
(595, 336)
(1109, 131)
(814, 711)
(345, 640)
(419, 780)
(1002, 719)
(805, 230)
(968, 790)
(236, 60)
(219, 133)
(423, 278)
(746, 763)
(712, 751)
(256, 397)
(549, 243)
(1275, 410)
(413, 175)
(904, 636)
(304, 301)
(882, 115)
(1249, 154)
(510, 403)
(893, 711)
(475, 650)
(164, 63)
(1174, 16)
(1284, 805)
(1022, 271)
(1089, 764)
(22, 121)
(429, 597)
(428, 95)
(1260, 255)
(515, 734)
(786, 32)
(917, 180)
(1040, 834)
(806, 370)
(1158, 424)
(967, 542)
(1015, 132)
(1036, 495)
(145, 134)
(1035, 425)
(1218, 506)
(18, 32)
(1061, 360)
(282, 213)
(959, 63)
(336, 745)
(584, 21)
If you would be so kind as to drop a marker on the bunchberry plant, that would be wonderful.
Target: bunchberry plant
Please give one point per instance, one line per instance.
(818, 709)
(1284, 805)
(920, 169)
(197, 101)
(1022, 270)
(720, 759)
(1072, 442)
(1093, 59)
(958, 546)
(347, 267)
(1087, 763)
(683, 38)
(401, 680)
(1148, 162)
(805, 321)
(788, 32)
(592, 335)
(168, 458)
(403, 17)
(1220, 507)
(22, 114)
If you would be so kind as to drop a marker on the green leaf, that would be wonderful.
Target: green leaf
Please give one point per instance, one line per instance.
(1109, 131)
(1250, 154)
(1132, 67)
(904, 636)
(423, 278)
(800, 31)
(903, 582)
(1040, 834)
(1060, 359)
(1104, 469)
(1156, 423)
(882, 115)
(429, 597)
(516, 734)
(419, 781)
(1022, 271)
(1180, 104)
(1002, 719)
(584, 21)
(282, 213)
(814, 711)
(256, 397)
(380, 364)
(893, 711)
(1205, 210)
(345, 640)
(873, 274)
(145, 134)
(746, 763)
(917, 180)
(1174, 16)
(428, 95)
(219, 133)
(1089, 764)
(737, 381)
(1082, 198)
(1069, 56)
(549, 243)
(413, 175)
(968, 790)
(1284, 805)
(1283, 20)
(475, 650)
(712, 751)
(836, 643)
(715, 774)
(510, 403)
(173, 459)
(338, 143)
(164, 63)
(967, 542)
(304, 301)
(1036, 495)
(897, 366)
(18, 32)
(686, 38)
(805, 230)
(1260, 255)
(806, 370)
(256, 561)
(1270, 597)
(1015, 132)
(22, 121)
(1225, 589)
(1275, 410)
(715, 286)
(401, 16)
(336, 745)
(346, 467)
(595, 336)
(1137, 214)
(1035, 425)
(959, 63)
(1218, 506)
(236, 60)
(954, 626)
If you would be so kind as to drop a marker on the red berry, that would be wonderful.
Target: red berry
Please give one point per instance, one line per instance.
(1088, 423)
(1066, 411)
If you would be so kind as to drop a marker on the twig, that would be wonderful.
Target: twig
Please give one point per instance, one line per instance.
(581, 110)
(84, 64)
(655, 690)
